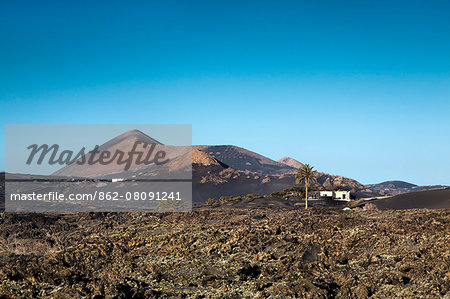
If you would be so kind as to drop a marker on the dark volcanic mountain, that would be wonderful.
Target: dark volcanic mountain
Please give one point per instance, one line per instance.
(390, 185)
(399, 187)
(241, 159)
(213, 179)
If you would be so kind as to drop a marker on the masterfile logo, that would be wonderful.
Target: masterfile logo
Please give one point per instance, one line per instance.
(51, 153)
(68, 168)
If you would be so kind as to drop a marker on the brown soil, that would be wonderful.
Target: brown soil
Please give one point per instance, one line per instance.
(321, 253)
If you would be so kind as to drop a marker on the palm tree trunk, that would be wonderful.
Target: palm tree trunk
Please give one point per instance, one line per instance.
(306, 185)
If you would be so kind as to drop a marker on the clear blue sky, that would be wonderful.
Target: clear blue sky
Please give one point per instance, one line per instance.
(356, 88)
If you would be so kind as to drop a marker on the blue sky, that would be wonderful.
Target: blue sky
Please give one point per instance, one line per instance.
(356, 88)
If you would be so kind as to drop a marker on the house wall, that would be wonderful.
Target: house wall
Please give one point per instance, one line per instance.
(326, 193)
(342, 195)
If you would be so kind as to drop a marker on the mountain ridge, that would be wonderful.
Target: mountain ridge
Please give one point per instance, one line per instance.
(395, 187)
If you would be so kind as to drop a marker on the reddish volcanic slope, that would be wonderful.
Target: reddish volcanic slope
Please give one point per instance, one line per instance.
(291, 162)
(242, 159)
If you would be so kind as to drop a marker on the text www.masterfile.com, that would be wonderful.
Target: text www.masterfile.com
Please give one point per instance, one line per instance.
(97, 195)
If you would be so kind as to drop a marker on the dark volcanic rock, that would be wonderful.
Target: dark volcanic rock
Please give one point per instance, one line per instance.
(227, 253)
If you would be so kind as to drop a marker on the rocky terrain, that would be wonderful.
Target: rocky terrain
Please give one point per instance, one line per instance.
(2, 191)
(228, 253)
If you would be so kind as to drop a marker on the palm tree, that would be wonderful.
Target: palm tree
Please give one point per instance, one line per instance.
(308, 175)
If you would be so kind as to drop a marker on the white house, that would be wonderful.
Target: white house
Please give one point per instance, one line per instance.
(342, 195)
(336, 195)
